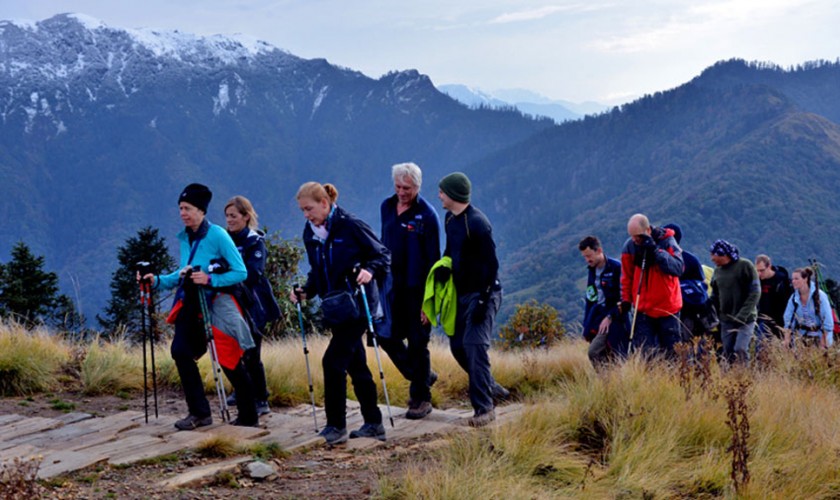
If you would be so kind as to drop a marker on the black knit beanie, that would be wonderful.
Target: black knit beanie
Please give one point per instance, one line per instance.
(456, 186)
(197, 195)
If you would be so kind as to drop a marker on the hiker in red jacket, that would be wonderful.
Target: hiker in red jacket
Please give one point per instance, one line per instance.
(651, 265)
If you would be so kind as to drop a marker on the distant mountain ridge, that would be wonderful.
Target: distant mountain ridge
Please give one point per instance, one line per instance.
(523, 100)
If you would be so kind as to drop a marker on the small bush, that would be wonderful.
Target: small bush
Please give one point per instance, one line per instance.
(30, 361)
(267, 451)
(65, 406)
(18, 478)
(532, 325)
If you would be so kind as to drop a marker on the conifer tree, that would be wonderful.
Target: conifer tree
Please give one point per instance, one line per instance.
(282, 267)
(124, 306)
(27, 292)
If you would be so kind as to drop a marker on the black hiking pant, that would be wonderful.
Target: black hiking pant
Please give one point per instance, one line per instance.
(413, 361)
(345, 355)
(470, 345)
(188, 345)
(256, 369)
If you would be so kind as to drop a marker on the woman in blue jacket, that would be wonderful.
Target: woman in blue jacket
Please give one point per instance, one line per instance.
(203, 244)
(808, 313)
(241, 219)
(343, 254)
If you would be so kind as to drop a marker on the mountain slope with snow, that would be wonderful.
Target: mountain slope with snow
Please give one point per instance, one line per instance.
(101, 127)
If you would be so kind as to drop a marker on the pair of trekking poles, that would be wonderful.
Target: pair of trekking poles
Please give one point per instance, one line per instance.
(147, 323)
(372, 333)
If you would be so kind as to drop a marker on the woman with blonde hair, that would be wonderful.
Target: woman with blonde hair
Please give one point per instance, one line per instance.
(242, 226)
(344, 254)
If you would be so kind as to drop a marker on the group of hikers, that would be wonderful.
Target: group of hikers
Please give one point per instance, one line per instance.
(659, 294)
(656, 296)
(398, 281)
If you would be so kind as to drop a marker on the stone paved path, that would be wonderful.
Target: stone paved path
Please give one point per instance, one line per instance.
(78, 440)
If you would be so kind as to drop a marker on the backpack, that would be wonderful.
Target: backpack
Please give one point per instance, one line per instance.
(693, 292)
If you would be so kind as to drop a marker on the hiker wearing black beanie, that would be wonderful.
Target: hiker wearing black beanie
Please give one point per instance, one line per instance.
(475, 268)
(202, 246)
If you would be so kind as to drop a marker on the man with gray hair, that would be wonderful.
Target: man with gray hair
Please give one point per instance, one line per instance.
(411, 231)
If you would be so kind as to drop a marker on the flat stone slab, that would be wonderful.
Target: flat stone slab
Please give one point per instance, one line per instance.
(7, 419)
(155, 447)
(26, 426)
(202, 474)
(19, 451)
(73, 417)
(57, 462)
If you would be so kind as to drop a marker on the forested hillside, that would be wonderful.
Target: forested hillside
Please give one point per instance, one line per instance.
(728, 155)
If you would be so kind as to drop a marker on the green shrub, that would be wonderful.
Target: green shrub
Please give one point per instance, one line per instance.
(531, 325)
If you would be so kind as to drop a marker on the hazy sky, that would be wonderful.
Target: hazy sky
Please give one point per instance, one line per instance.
(578, 50)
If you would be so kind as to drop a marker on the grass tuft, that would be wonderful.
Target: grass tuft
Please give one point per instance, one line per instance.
(267, 451)
(30, 361)
(218, 447)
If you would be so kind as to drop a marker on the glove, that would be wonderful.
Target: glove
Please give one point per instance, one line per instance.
(479, 312)
(648, 244)
(218, 266)
(624, 307)
(442, 274)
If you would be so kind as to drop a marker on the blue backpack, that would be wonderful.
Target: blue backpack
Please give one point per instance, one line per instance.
(693, 292)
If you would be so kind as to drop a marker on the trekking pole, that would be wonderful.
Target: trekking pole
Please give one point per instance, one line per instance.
(636, 305)
(375, 348)
(214, 360)
(151, 314)
(306, 356)
(143, 311)
(147, 311)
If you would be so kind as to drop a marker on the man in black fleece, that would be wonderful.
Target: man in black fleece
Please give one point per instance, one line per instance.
(469, 242)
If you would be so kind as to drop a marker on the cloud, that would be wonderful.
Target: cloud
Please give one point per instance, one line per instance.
(529, 15)
(697, 23)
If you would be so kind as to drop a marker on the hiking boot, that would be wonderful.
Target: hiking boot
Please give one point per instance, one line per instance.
(192, 422)
(499, 393)
(242, 423)
(483, 419)
(419, 411)
(369, 431)
(231, 400)
(333, 435)
(262, 408)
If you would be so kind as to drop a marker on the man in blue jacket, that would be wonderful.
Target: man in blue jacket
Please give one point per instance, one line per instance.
(603, 326)
(411, 231)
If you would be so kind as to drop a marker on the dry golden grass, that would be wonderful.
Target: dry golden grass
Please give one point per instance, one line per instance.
(30, 361)
(217, 446)
(110, 367)
(629, 432)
